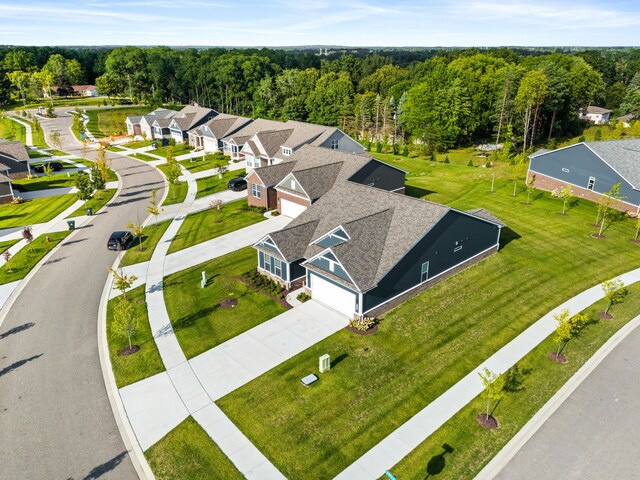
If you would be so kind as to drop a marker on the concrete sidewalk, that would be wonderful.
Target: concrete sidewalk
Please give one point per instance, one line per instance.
(409, 435)
(28, 131)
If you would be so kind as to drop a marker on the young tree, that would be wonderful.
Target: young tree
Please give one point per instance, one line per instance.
(607, 201)
(614, 291)
(635, 238)
(125, 322)
(83, 184)
(97, 183)
(55, 139)
(530, 186)
(173, 173)
(122, 281)
(493, 389)
(27, 235)
(568, 327)
(566, 194)
(531, 94)
(138, 230)
(47, 169)
(217, 203)
(152, 208)
(6, 255)
(103, 164)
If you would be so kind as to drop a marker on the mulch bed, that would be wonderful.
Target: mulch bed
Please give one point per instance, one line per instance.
(141, 301)
(371, 331)
(595, 235)
(489, 422)
(633, 240)
(282, 301)
(605, 316)
(557, 357)
(129, 351)
(228, 303)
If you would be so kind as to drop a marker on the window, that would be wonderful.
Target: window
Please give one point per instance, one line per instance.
(334, 144)
(267, 262)
(256, 191)
(286, 151)
(424, 272)
(277, 267)
(293, 184)
(592, 182)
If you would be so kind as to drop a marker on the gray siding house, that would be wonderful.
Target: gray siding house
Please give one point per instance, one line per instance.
(592, 168)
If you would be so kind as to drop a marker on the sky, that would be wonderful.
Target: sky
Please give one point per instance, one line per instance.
(426, 23)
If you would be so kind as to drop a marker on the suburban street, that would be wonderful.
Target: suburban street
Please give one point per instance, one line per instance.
(55, 416)
(594, 433)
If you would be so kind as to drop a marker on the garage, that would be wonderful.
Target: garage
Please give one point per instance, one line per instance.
(291, 209)
(333, 296)
(210, 144)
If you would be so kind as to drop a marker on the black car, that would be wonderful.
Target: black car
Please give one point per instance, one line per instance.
(237, 184)
(56, 166)
(119, 240)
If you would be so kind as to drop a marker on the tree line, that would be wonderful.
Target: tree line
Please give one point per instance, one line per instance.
(436, 98)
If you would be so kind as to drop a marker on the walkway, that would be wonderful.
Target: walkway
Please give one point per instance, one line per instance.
(408, 436)
(27, 128)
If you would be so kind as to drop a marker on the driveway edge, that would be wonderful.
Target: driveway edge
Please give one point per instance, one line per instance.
(504, 456)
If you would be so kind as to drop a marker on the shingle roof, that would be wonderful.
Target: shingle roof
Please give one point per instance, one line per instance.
(4, 178)
(293, 241)
(626, 118)
(303, 133)
(223, 124)
(316, 181)
(271, 140)
(594, 109)
(487, 215)
(14, 150)
(252, 146)
(622, 155)
(191, 115)
(258, 125)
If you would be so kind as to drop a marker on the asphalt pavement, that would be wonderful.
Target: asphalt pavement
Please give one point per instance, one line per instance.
(56, 421)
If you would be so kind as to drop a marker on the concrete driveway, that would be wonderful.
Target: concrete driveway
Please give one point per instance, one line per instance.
(55, 416)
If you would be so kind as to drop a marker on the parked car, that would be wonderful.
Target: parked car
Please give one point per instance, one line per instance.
(56, 166)
(119, 240)
(237, 184)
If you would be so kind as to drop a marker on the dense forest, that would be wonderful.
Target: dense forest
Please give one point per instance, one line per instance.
(437, 98)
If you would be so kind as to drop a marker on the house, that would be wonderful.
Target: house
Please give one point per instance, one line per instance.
(189, 117)
(592, 169)
(295, 184)
(143, 125)
(271, 147)
(76, 90)
(627, 119)
(14, 156)
(361, 250)
(597, 115)
(209, 135)
(233, 143)
(6, 190)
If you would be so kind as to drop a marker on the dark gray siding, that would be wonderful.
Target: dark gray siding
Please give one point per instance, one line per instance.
(297, 271)
(323, 264)
(437, 248)
(15, 166)
(5, 189)
(380, 175)
(582, 163)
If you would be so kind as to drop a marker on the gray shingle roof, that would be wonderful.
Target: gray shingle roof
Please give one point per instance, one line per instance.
(271, 140)
(622, 155)
(224, 124)
(626, 118)
(594, 109)
(303, 133)
(248, 131)
(192, 115)
(293, 241)
(316, 181)
(487, 215)
(273, 174)
(15, 150)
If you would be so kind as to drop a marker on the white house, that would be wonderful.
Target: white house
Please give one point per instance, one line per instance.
(597, 115)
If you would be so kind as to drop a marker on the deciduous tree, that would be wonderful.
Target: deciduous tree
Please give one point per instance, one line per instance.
(493, 388)
(122, 281)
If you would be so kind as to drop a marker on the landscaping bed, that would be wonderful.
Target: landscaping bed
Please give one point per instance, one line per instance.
(208, 224)
(99, 200)
(264, 284)
(150, 237)
(430, 342)
(38, 210)
(22, 262)
(197, 318)
(144, 363)
(188, 453)
(214, 184)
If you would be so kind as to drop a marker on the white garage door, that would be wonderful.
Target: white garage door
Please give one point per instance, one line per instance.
(210, 145)
(291, 209)
(333, 296)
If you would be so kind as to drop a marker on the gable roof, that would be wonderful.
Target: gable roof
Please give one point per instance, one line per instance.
(621, 155)
(596, 110)
(191, 115)
(316, 181)
(487, 215)
(627, 118)
(158, 113)
(222, 125)
(271, 140)
(303, 133)
(245, 133)
(14, 150)
(273, 174)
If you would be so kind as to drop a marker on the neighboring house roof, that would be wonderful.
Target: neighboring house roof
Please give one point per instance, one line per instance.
(316, 181)
(163, 122)
(222, 125)
(272, 175)
(272, 140)
(621, 155)
(539, 152)
(158, 113)
(487, 215)
(192, 115)
(303, 132)
(597, 110)
(627, 118)
(4, 178)
(14, 150)
(84, 88)
(245, 133)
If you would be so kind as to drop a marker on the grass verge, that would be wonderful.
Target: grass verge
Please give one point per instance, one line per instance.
(7, 244)
(213, 184)
(150, 238)
(198, 320)
(142, 156)
(38, 210)
(179, 149)
(22, 262)
(99, 200)
(188, 453)
(202, 226)
(57, 180)
(205, 163)
(146, 361)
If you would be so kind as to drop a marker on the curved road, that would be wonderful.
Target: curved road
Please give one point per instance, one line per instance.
(56, 421)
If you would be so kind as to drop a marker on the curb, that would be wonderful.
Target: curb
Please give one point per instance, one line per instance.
(504, 456)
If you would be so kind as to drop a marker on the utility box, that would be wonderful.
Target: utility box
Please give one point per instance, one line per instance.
(325, 363)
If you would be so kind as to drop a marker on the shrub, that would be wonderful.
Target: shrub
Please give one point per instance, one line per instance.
(582, 138)
(172, 142)
(17, 200)
(275, 213)
(362, 324)
(303, 297)
(446, 159)
(470, 163)
(405, 151)
(378, 147)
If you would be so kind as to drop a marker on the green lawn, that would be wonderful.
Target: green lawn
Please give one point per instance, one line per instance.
(202, 226)
(150, 238)
(99, 200)
(57, 153)
(188, 453)
(177, 193)
(37, 135)
(7, 244)
(205, 163)
(474, 446)
(430, 342)
(39, 210)
(142, 156)
(199, 323)
(104, 122)
(56, 180)
(213, 184)
(36, 154)
(146, 361)
(11, 130)
(115, 148)
(138, 144)
(22, 262)
(179, 149)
